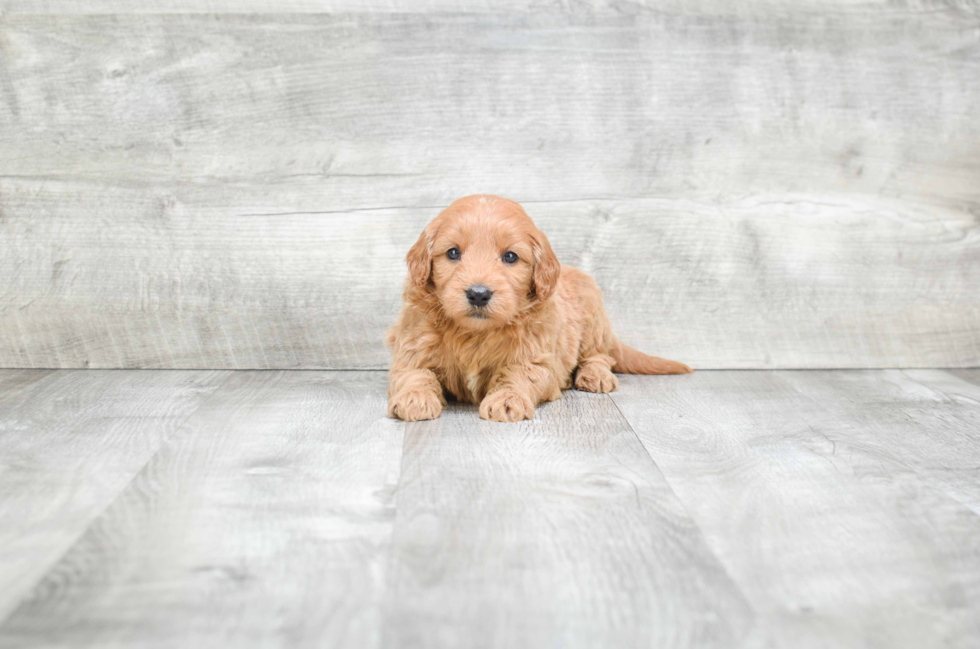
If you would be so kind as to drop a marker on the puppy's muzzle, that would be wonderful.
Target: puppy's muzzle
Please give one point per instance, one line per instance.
(478, 295)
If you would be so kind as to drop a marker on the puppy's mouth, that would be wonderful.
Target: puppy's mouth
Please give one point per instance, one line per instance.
(479, 315)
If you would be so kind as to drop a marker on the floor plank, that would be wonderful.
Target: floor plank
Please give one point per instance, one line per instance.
(69, 443)
(264, 522)
(824, 520)
(923, 421)
(805, 509)
(559, 532)
(968, 375)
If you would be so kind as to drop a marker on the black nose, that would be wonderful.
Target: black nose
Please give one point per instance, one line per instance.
(478, 295)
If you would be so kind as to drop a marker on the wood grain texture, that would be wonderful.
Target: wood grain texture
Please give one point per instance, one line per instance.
(838, 528)
(69, 444)
(923, 421)
(262, 523)
(970, 376)
(204, 191)
(406, 110)
(803, 509)
(708, 7)
(557, 532)
(193, 277)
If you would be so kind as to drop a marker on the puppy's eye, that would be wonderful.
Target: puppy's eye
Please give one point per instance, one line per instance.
(453, 253)
(510, 257)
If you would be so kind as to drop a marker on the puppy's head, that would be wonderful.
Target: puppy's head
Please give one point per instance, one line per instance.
(484, 261)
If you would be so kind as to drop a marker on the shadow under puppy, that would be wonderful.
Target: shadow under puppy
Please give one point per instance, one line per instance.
(490, 316)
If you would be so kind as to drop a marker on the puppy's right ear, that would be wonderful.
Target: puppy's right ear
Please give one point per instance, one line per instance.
(419, 258)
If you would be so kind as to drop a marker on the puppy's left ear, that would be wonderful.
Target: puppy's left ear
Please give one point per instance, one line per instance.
(546, 267)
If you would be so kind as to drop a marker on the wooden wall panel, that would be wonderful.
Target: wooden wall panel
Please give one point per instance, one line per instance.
(575, 7)
(795, 188)
(185, 276)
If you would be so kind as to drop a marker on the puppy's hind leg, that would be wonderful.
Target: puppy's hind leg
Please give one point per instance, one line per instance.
(595, 376)
(594, 372)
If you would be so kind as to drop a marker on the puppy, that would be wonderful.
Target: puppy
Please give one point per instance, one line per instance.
(491, 317)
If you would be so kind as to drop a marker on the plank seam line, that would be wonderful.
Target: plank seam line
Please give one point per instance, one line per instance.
(440, 207)
(721, 564)
(390, 552)
(29, 592)
(385, 369)
(932, 387)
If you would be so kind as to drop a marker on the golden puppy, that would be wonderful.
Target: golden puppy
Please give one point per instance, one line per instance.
(490, 316)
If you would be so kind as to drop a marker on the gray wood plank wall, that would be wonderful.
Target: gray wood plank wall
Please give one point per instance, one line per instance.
(753, 184)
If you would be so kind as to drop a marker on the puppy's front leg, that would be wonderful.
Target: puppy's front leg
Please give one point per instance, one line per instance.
(414, 394)
(514, 392)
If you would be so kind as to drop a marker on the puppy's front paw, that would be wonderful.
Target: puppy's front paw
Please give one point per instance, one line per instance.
(506, 405)
(594, 377)
(415, 405)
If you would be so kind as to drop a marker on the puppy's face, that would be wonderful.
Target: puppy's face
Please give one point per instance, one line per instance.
(484, 261)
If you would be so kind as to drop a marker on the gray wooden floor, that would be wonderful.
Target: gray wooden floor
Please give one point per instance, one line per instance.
(724, 509)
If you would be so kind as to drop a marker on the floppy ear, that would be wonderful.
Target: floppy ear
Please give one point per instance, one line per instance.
(419, 258)
(546, 267)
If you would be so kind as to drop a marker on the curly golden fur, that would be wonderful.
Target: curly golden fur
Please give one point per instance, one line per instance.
(543, 323)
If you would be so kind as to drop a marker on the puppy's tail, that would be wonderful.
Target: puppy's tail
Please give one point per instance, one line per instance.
(631, 361)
